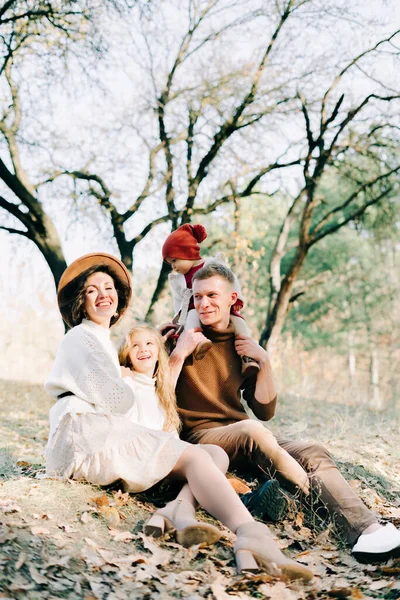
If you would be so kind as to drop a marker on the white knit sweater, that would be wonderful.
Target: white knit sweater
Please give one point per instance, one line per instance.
(147, 410)
(87, 365)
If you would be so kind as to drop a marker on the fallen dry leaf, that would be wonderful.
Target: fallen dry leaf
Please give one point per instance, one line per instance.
(85, 517)
(390, 570)
(218, 588)
(23, 463)
(8, 506)
(357, 594)
(67, 528)
(34, 490)
(36, 576)
(159, 556)
(20, 561)
(278, 591)
(111, 515)
(239, 485)
(341, 592)
(100, 501)
(39, 530)
(121, 536)
(123, 561)
(120, 498)
(108, 512)
(379, 585)
(299, 520)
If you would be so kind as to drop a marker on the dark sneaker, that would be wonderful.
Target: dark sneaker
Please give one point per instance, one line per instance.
(267, 502)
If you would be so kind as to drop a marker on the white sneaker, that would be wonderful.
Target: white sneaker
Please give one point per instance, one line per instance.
(384, 539)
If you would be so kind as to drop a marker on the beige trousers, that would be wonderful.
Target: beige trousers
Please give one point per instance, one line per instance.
(250, 440)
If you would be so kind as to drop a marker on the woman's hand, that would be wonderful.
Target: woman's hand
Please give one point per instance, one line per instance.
(125, 372)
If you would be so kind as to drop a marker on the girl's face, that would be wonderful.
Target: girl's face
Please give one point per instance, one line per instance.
(143, 352)
(101, 298)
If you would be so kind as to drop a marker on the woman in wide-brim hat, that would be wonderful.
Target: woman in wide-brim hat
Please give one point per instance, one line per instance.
(92, 435)
(95, 434)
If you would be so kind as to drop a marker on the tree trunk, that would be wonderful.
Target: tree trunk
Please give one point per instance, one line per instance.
(162, 280)
(280, 307)
(352, 361)
(376, 397)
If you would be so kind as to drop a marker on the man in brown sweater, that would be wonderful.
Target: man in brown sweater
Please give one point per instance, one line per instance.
(208, 395)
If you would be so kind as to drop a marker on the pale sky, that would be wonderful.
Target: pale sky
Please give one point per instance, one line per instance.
(29, 307)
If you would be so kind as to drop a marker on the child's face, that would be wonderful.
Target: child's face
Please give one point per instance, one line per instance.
(143, 352)
(180, 265)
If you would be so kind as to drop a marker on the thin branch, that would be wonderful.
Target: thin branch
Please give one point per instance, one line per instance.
(18, 231)
(346, 68)
(148, 228)
(349, 200)
(6, 6)
(356, 213)
(230, 125)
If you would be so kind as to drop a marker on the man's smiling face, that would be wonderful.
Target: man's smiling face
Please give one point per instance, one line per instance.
(213, 298)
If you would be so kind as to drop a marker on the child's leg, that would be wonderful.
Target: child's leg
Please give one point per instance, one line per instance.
(250, 367)
(283, 463)
(239, 325)
(192, 320)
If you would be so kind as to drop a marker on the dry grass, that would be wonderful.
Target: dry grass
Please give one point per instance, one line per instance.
(57, 542)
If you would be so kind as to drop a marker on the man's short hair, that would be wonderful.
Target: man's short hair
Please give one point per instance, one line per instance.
(213, 269)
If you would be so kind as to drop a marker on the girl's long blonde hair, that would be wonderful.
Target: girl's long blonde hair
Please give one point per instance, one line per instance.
(164, 388)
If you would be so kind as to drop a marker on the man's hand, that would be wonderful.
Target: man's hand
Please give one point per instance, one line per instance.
(185, 345)
(246, 346)
(125, 372)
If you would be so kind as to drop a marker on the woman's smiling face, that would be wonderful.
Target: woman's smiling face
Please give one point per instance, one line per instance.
(101, 298)
(143, 352)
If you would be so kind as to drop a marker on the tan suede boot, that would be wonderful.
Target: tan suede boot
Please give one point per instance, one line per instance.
(255, 550)
(201, 349)
(180, 516)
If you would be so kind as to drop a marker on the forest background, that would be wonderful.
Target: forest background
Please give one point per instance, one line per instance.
(275, 124)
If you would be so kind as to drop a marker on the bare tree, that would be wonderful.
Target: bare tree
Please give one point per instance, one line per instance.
(26, 26)
(331, 144)
(205, 136)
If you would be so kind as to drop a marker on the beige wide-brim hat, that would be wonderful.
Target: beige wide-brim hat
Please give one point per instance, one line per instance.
(66, 289)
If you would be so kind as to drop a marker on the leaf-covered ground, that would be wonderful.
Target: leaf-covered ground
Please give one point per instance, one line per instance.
(72, 540)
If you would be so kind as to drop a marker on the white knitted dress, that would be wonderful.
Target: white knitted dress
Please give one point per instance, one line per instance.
(98, 433)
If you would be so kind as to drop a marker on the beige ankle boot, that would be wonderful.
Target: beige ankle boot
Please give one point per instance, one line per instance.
(250, 367)
(180, 516)
(201, 349)
(256, 550)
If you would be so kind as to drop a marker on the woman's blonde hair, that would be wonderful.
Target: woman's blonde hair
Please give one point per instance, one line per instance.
(164, 387)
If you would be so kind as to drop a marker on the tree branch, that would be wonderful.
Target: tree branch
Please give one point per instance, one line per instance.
(346, 68)
(347, 202)
(356, 213)
(18, 231)
(230, 125)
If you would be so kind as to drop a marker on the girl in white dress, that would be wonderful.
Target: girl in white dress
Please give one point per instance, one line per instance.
(96, 432)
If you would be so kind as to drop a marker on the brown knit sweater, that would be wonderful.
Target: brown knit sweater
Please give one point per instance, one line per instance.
(208, 390)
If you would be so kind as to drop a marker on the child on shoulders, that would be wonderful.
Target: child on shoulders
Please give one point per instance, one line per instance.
(181, 250)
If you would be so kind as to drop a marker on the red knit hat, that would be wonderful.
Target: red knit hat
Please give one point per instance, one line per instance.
(184, 242)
